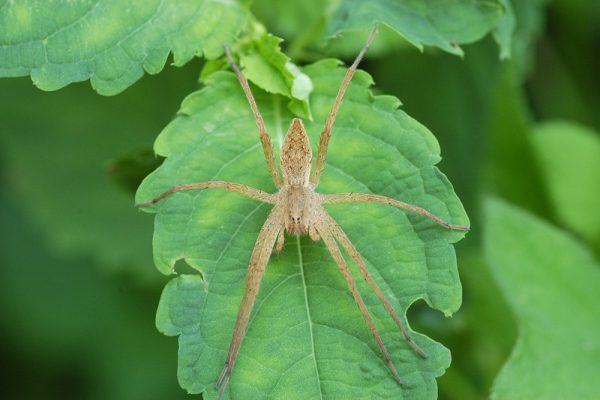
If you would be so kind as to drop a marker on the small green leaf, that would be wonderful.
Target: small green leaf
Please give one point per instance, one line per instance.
(212, 66)
(503, 34)
(569, 156)
(264, 64)
(108, 41)
(551, 283)
(269, 68)
(441, 23)
(307, 337)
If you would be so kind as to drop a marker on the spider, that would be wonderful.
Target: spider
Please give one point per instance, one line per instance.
(298, 209)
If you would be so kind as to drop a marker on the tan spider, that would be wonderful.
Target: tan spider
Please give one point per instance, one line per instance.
(298, 209)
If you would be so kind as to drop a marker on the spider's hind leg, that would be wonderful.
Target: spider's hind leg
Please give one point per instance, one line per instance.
(343, 239)
(257, 266)
(333, 248)
(313, 233)
(280, 241)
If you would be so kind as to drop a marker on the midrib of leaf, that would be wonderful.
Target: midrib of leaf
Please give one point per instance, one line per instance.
(309, 318)
(279, 134)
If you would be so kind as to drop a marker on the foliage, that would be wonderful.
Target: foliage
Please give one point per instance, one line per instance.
(515, 119)
(59, 43)
(530, 259)
(569, 155)
(445, 24)
(214, 232)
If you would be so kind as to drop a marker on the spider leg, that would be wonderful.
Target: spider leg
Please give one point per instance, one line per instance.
(326, 134)
(280, 241)
(245, 190)
(368, 198)
(333, 248)
(260, 123)
(339, 234)
(258, 263)
(313, 234)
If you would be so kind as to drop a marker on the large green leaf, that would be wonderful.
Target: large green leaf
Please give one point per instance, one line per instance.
(441, 23)
(569, 156)
(107, 41)
(307, 338)
(551, 283)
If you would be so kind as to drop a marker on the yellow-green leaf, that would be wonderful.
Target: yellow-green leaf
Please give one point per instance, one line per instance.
(110, 42)
(307, 338)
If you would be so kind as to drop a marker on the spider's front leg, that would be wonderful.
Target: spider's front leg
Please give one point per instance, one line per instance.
(245, 190)
(339, 198)
(260, 123)
(258, 264)
(326, 134)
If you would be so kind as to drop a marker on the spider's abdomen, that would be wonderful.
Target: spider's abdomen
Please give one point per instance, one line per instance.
(296, 154)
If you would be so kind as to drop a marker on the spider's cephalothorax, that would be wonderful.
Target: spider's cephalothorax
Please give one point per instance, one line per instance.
(297, 209)
(297, 194)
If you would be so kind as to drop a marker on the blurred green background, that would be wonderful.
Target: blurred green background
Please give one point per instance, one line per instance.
(79, 289)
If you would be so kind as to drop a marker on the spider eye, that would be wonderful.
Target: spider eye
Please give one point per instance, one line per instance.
(295, 219)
